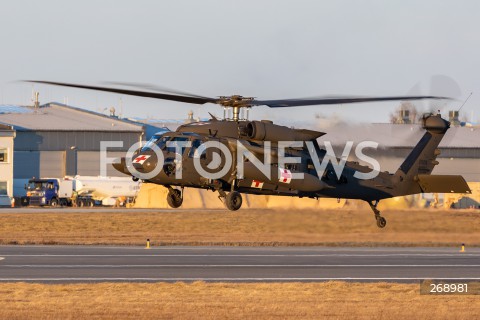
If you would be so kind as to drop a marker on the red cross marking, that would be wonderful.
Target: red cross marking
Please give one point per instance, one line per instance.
(140, 158)
(285, 176)
(256, 183)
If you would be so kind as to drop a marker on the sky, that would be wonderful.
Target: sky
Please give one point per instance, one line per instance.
(265, 49)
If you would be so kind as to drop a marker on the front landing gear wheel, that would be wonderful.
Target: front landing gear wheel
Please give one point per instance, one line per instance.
(381, 222)
(174, 198)
(233, 201)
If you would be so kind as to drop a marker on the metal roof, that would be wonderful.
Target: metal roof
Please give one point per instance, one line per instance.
(389, 135)
(6, 108)
(155, 126)
(59, 117)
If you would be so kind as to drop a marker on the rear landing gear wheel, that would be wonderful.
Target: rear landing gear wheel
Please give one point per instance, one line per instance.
(381, 222)
(233, 201)
(174, 198)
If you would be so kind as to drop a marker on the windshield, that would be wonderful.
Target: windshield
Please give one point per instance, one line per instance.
(159, 140)
(39, 185)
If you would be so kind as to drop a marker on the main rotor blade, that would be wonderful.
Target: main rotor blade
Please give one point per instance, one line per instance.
(156, 88)
(189, 98)
(137, 93)
(334, 100)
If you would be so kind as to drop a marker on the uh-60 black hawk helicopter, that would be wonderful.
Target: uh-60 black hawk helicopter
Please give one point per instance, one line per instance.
(277, 178)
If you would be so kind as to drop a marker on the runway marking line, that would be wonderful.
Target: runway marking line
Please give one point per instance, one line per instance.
(221, 279)
(247, 255)
(246, 266)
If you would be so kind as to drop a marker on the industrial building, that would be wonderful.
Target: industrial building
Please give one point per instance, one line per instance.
(460, 148)
(7, 134)
(459, 151)
(55, 140)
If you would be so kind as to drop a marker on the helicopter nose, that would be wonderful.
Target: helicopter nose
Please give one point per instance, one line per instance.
(121, 166)
(144, 162)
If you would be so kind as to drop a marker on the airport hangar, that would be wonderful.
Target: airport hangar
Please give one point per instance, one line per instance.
(55, 140)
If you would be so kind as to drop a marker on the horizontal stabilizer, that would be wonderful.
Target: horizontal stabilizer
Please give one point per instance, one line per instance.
(310, 134)
(443, 184)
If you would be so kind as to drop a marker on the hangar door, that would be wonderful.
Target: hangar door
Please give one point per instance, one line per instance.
(52, 164)
(26, 164)
(88, 163)
(39, 164)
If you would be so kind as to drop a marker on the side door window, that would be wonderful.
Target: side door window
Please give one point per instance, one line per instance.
(180, 140)
(195, 144)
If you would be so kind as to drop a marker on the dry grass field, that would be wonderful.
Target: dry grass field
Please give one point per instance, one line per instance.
(244, 227)
(332, 300)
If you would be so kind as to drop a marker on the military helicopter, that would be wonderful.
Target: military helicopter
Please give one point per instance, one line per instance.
(259, 141)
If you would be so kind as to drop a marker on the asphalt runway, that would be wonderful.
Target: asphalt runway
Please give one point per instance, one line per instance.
(68, 264)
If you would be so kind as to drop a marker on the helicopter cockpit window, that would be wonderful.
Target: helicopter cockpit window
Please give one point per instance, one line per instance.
(159, 140)
(172, 144)
(195, 144)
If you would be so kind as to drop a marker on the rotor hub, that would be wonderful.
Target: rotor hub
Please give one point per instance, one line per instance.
(236, 102)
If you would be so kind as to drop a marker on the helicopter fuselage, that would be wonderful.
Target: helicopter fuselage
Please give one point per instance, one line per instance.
(278, 179)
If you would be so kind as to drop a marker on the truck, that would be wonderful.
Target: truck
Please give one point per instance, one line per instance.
(80, 191)
(106, 191)
(49, 192)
